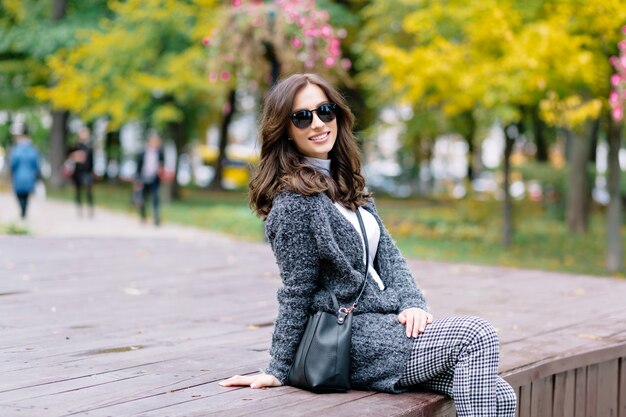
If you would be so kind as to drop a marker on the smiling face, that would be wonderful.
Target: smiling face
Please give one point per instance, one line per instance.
(318, 139)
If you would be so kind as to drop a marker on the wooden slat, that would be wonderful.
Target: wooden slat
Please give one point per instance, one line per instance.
(541, 398)
(558, 404)
(581, 392)
(524, 401)
(592, 391)
(607, 389)
(569, 399)
(622, 388)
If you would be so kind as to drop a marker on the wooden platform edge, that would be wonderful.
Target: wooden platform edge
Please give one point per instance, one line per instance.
(589, 383)
(562, 363)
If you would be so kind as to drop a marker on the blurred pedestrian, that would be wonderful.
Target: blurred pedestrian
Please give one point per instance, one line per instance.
(25, 166)
(81, 158)
(148, 177)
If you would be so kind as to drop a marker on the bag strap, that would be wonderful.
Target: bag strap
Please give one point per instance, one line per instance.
(367, 255)
(344, 311)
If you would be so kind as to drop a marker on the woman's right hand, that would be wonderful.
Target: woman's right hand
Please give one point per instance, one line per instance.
(253, 381)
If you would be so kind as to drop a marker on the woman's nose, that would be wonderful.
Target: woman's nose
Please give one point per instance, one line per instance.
(316, 122)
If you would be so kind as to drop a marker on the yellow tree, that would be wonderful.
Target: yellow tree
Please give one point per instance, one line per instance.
(450, 59)
(145, 63)
(576, 101)
(495, 58)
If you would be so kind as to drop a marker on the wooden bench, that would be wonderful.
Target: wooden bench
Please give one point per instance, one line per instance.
(147, 327)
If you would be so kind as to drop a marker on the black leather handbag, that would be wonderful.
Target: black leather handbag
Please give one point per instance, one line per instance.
(322, 361)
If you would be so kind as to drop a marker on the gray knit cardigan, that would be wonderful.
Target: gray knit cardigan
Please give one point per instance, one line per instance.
(315, 245)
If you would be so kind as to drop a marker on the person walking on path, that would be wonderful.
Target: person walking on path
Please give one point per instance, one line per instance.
(25, 167)
(308, 189)
(148, 177)
(82, 157)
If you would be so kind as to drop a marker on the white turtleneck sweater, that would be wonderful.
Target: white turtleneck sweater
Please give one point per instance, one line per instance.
(371, 225)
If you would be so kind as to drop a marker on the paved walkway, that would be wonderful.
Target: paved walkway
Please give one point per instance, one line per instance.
(48, 217)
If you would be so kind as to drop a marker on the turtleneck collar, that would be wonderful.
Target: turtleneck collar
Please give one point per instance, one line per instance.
(322, 164)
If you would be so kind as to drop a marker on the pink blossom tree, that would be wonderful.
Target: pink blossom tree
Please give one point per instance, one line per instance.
(256, 42)
(617, 100)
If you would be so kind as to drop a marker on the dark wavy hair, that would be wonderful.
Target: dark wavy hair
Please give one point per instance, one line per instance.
(281, 167)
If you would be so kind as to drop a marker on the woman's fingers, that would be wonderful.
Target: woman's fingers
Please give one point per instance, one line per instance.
(410, 323)
(253, 381)
(415, 320)
(422, 321)
(235, 381)
(402, 318)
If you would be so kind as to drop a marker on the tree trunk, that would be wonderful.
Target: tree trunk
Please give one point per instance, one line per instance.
(578, 180)
(511, 133)
(229, 111)
(179, 134)
(112, 149)
(474, 154)
(57, 146)
(270, 55)
(59, 9)
(614, 248)
(58, 131)
(539, 133)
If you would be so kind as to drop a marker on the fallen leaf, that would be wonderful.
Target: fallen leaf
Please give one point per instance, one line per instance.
(589, 336)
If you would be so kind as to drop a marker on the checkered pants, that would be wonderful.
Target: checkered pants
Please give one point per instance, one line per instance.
(459, 356)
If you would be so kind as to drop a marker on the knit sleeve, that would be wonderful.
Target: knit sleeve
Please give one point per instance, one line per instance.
(288, 229)
(395, 271)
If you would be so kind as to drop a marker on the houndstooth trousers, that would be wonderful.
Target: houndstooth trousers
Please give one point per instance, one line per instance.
(458, 356)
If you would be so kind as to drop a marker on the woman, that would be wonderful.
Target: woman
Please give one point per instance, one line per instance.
(308, 189)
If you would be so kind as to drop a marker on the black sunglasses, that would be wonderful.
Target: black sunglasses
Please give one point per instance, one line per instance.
(303, 118)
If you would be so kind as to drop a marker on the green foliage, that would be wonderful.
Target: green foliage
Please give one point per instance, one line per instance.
(28, 36)
(144, 62)
(496, 55)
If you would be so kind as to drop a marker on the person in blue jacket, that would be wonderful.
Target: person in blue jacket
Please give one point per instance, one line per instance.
(25, 167)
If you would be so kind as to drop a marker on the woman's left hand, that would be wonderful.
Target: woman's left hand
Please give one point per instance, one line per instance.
(415, 320)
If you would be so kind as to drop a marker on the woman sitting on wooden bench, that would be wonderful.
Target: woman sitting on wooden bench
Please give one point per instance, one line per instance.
(308, 189)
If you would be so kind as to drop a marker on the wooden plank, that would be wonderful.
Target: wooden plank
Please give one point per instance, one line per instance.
(581, 392)
(622, 388)
(569, 399)
(607, 389)
(541, 397)
(592, 391)
(558, 403)
(524, 400)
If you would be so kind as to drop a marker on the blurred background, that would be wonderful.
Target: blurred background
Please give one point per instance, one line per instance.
(491, 131)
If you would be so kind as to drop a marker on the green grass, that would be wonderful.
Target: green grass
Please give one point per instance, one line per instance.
(471, 231)
(13, 229)
(225, 212)
(443, 230)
